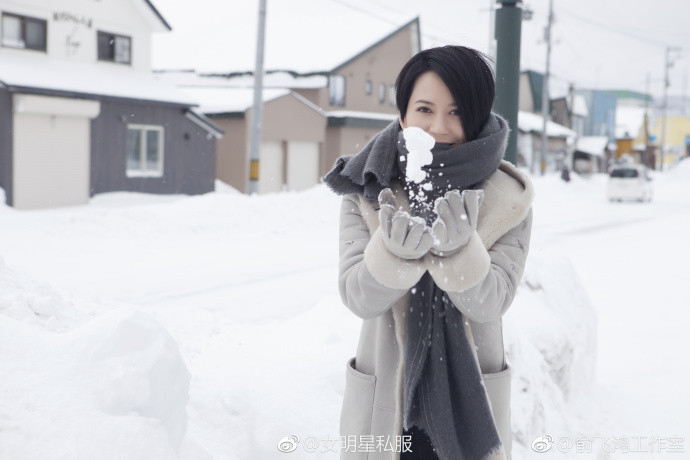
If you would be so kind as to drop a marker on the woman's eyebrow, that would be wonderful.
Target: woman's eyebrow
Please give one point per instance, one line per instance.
(424, 101)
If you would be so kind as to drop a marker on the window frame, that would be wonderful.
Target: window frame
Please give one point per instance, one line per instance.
(115, 36)
(391, 95)
(382, 93)
(331, 90)
(23, 20)
(143, 172)
(368, 87)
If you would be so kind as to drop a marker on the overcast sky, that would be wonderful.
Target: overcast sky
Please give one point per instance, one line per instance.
(606, 44)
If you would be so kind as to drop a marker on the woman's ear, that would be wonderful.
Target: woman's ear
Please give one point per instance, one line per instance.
(402, 123)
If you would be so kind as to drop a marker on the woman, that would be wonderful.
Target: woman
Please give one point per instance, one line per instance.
(430, 266)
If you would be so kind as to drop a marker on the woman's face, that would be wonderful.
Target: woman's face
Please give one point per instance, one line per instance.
(432, 108)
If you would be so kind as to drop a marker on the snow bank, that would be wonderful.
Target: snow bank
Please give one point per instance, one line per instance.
(551, 342)
(111, 387)
(33, 302)
(137, 370)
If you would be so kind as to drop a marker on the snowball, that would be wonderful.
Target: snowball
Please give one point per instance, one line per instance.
(419, 145)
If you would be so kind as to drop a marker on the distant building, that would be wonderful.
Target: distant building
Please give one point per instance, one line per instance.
(601, 109)
(327, 109)
(81, 113)
(559, 141)
(560, 137)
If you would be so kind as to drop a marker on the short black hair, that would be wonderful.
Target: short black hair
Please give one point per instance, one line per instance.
(467, 74)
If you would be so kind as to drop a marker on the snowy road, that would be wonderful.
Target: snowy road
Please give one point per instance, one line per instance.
(247, 286)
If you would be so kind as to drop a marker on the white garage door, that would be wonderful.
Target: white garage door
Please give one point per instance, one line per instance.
(302, 165)
(52, 144)
(271, 167)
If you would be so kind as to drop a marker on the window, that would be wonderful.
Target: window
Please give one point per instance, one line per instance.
(391, 95)
(114, 48)
(624, 173)
(336, 90)
(23, 32)
(368, 87)
(382, 93)
(144, 151)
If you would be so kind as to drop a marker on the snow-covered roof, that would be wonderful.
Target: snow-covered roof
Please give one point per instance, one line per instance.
(592, 145)
(271, 80)
(214, 100)
(533, 123)
(629, 121)
(280, 80)
(364, 115)
(579, 106)
(21, 70)
(199, 119)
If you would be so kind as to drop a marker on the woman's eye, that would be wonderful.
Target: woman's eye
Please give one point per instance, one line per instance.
(424, 110)
(454, 112)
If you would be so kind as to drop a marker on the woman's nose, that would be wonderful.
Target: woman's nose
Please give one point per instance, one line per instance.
(438, 126)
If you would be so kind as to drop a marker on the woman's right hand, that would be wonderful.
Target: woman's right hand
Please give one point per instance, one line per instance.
(405, 236)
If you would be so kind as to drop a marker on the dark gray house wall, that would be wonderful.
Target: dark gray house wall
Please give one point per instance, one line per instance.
(189, 162)
(6, 144)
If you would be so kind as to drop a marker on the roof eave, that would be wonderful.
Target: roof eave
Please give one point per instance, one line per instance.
(374, 45)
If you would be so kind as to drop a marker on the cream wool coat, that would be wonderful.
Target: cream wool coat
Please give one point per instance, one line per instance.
(374, 284)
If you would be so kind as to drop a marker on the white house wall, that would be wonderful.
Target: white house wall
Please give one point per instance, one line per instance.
(51, 162)
(72, 27)
(271, 167)
(302, 165)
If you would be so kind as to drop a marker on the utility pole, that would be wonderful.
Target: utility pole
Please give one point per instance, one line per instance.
(545, 91)
(508, 33)
(646, 119)
(492, 31)
(667, 65)
(257, 112)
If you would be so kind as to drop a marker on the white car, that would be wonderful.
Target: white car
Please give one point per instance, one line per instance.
(630, 182)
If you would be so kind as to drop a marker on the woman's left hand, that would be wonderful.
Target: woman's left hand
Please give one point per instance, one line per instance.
(457, 219)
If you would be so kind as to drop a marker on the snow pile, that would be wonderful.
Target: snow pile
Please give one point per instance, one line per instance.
(109, 388)
(33, 302)
(138, 370)
(550, 339)
(680, 171)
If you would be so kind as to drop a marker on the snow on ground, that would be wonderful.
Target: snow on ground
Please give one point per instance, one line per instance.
(117, 315)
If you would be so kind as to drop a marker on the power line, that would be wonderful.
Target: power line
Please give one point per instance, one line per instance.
(611, 29)
(390, 21)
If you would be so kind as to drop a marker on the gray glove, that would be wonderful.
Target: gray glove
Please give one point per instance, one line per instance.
(405, 236)
(457, 219)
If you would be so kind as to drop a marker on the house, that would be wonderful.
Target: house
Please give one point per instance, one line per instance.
(591, 154)
(570, 111)
(81, 112)
(601, 109)
(330, 106)
(677, 139)
(560, 138)
(293, 132)
(558, 147)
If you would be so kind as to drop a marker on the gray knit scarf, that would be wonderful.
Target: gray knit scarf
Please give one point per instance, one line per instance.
(443, 392)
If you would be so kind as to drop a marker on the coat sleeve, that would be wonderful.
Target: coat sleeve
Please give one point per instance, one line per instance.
(489, 299)
(371, 279)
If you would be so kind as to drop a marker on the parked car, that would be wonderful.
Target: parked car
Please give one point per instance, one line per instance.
(630, 182)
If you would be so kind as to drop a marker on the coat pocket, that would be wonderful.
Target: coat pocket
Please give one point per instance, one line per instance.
(497, 386)
(358, 402)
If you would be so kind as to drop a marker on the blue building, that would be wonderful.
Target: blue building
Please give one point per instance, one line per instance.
(601, 118)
